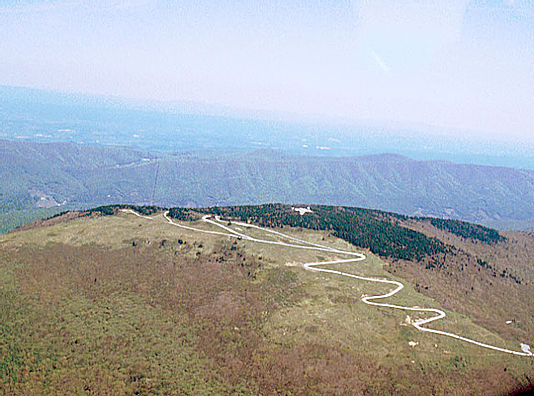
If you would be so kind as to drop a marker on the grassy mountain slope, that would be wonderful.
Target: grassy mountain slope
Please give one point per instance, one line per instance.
(49, 174)
(466, 267)
(119, 305)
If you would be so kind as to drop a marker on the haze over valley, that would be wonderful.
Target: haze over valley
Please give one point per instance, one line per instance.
(50, 116)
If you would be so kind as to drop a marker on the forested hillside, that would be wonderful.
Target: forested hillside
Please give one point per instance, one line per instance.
(370, 229)
(69, 175)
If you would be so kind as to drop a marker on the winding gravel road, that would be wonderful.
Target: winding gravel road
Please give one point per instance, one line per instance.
(355, 257)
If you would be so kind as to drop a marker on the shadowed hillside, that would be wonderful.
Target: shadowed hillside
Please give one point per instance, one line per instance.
(47, 175)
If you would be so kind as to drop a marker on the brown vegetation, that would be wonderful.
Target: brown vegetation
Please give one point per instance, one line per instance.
(492, 283)
(179, 315)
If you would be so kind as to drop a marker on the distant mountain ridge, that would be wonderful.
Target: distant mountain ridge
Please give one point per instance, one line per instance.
(48, 174)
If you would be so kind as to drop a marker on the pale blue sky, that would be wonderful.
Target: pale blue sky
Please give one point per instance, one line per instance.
(464, 65)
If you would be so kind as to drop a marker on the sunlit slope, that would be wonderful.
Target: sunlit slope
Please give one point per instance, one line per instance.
(119, 304)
